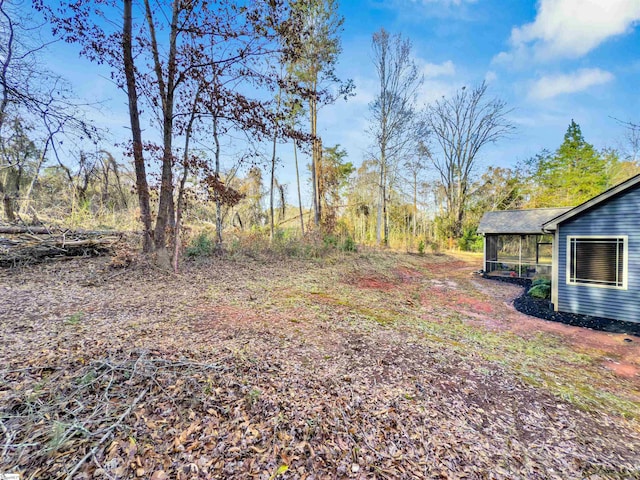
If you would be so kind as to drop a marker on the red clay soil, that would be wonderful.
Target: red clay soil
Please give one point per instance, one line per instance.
(495, 310)
(374, 283)
(490, 303)
(624, 356)
(408, 275)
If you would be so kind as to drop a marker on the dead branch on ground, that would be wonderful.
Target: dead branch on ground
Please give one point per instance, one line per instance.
(27, 245)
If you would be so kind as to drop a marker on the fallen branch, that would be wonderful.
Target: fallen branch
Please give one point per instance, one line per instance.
(15, 230)
(106, 435)
(30, 248)
(19, 229)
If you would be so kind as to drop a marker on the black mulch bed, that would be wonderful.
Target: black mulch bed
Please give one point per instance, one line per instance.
(542, 309)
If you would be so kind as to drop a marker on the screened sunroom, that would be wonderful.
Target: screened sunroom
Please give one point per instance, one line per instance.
(514, 243)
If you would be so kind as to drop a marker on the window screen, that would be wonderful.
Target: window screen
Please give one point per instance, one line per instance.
(597, 261)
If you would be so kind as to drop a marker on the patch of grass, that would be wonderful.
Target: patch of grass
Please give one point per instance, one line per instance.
(74, 318)
(253, 396)
(576, 378)
(348, 245)
(578, 388)
(540, 361)
(88, 378)
(58, 435)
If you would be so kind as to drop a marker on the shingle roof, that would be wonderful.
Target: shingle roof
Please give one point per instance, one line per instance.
(518, 221)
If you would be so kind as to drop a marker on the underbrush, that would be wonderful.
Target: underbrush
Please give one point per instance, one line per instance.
(82, 216)
(258, 244)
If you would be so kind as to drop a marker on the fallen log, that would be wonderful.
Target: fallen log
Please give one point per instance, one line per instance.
(20, 229)
(29, 247)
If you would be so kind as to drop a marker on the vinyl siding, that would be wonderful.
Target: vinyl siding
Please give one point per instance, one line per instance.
(616, 216)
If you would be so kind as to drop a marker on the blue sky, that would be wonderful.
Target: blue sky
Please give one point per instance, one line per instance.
(550, 60)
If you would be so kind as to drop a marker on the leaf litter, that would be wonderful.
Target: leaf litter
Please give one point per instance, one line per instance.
(281, 368)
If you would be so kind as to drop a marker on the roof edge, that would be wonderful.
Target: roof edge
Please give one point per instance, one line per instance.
(529, 227)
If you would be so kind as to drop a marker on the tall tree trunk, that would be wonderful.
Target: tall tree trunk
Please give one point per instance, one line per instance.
(7, 204)
(273, 166)
(217, 173)
(415, 205)
(180, 207)
(9, 211)
(385, 209)
(183, 181)
(314, 162)
(167, 91)
(380, 201)
(295, 157)
(9, 37)
(142, 186)
(319, 179)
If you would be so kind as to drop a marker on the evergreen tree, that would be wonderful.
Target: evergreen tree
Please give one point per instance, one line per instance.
(574, 174)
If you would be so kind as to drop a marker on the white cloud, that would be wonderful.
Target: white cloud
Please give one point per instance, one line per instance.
(433, 90)
(366, 89)
(439, 80)
(434, 70)
(553, 85)
(490, 76)
(571, 28)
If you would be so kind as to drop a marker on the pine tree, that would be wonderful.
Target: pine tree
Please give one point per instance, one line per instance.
(574, 174)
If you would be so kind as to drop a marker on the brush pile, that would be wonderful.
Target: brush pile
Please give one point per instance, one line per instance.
(23, 245)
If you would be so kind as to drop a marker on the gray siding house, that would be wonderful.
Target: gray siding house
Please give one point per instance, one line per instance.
(596, 255)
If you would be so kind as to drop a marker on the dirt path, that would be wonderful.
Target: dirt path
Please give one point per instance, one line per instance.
(374, 365)
(619, 352)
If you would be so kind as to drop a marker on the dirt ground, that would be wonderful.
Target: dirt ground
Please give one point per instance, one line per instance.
(367, 365)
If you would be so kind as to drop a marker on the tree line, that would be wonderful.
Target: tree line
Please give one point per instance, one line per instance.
(216, 91)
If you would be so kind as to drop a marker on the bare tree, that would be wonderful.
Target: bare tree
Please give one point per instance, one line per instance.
(142, 187)
(393, 112)
(31, 94)
(177, 45)
(415, 165)
(631, 148)
(462, 125)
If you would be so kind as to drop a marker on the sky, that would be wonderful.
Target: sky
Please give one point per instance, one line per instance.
(551, 61)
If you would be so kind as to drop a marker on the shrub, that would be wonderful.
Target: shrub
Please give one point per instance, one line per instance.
(541, 288)
(330, 241)
(470, 241)
(280, 236)
(421, 247)
(349, 245)
(200, 246)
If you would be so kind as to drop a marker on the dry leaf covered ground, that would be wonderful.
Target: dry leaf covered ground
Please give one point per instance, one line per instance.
(367, 365)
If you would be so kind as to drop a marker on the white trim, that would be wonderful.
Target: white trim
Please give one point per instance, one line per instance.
(555, 270)
(484, 253)
(625, 260)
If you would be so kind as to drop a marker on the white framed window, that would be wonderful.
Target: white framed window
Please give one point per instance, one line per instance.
(598, 261)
